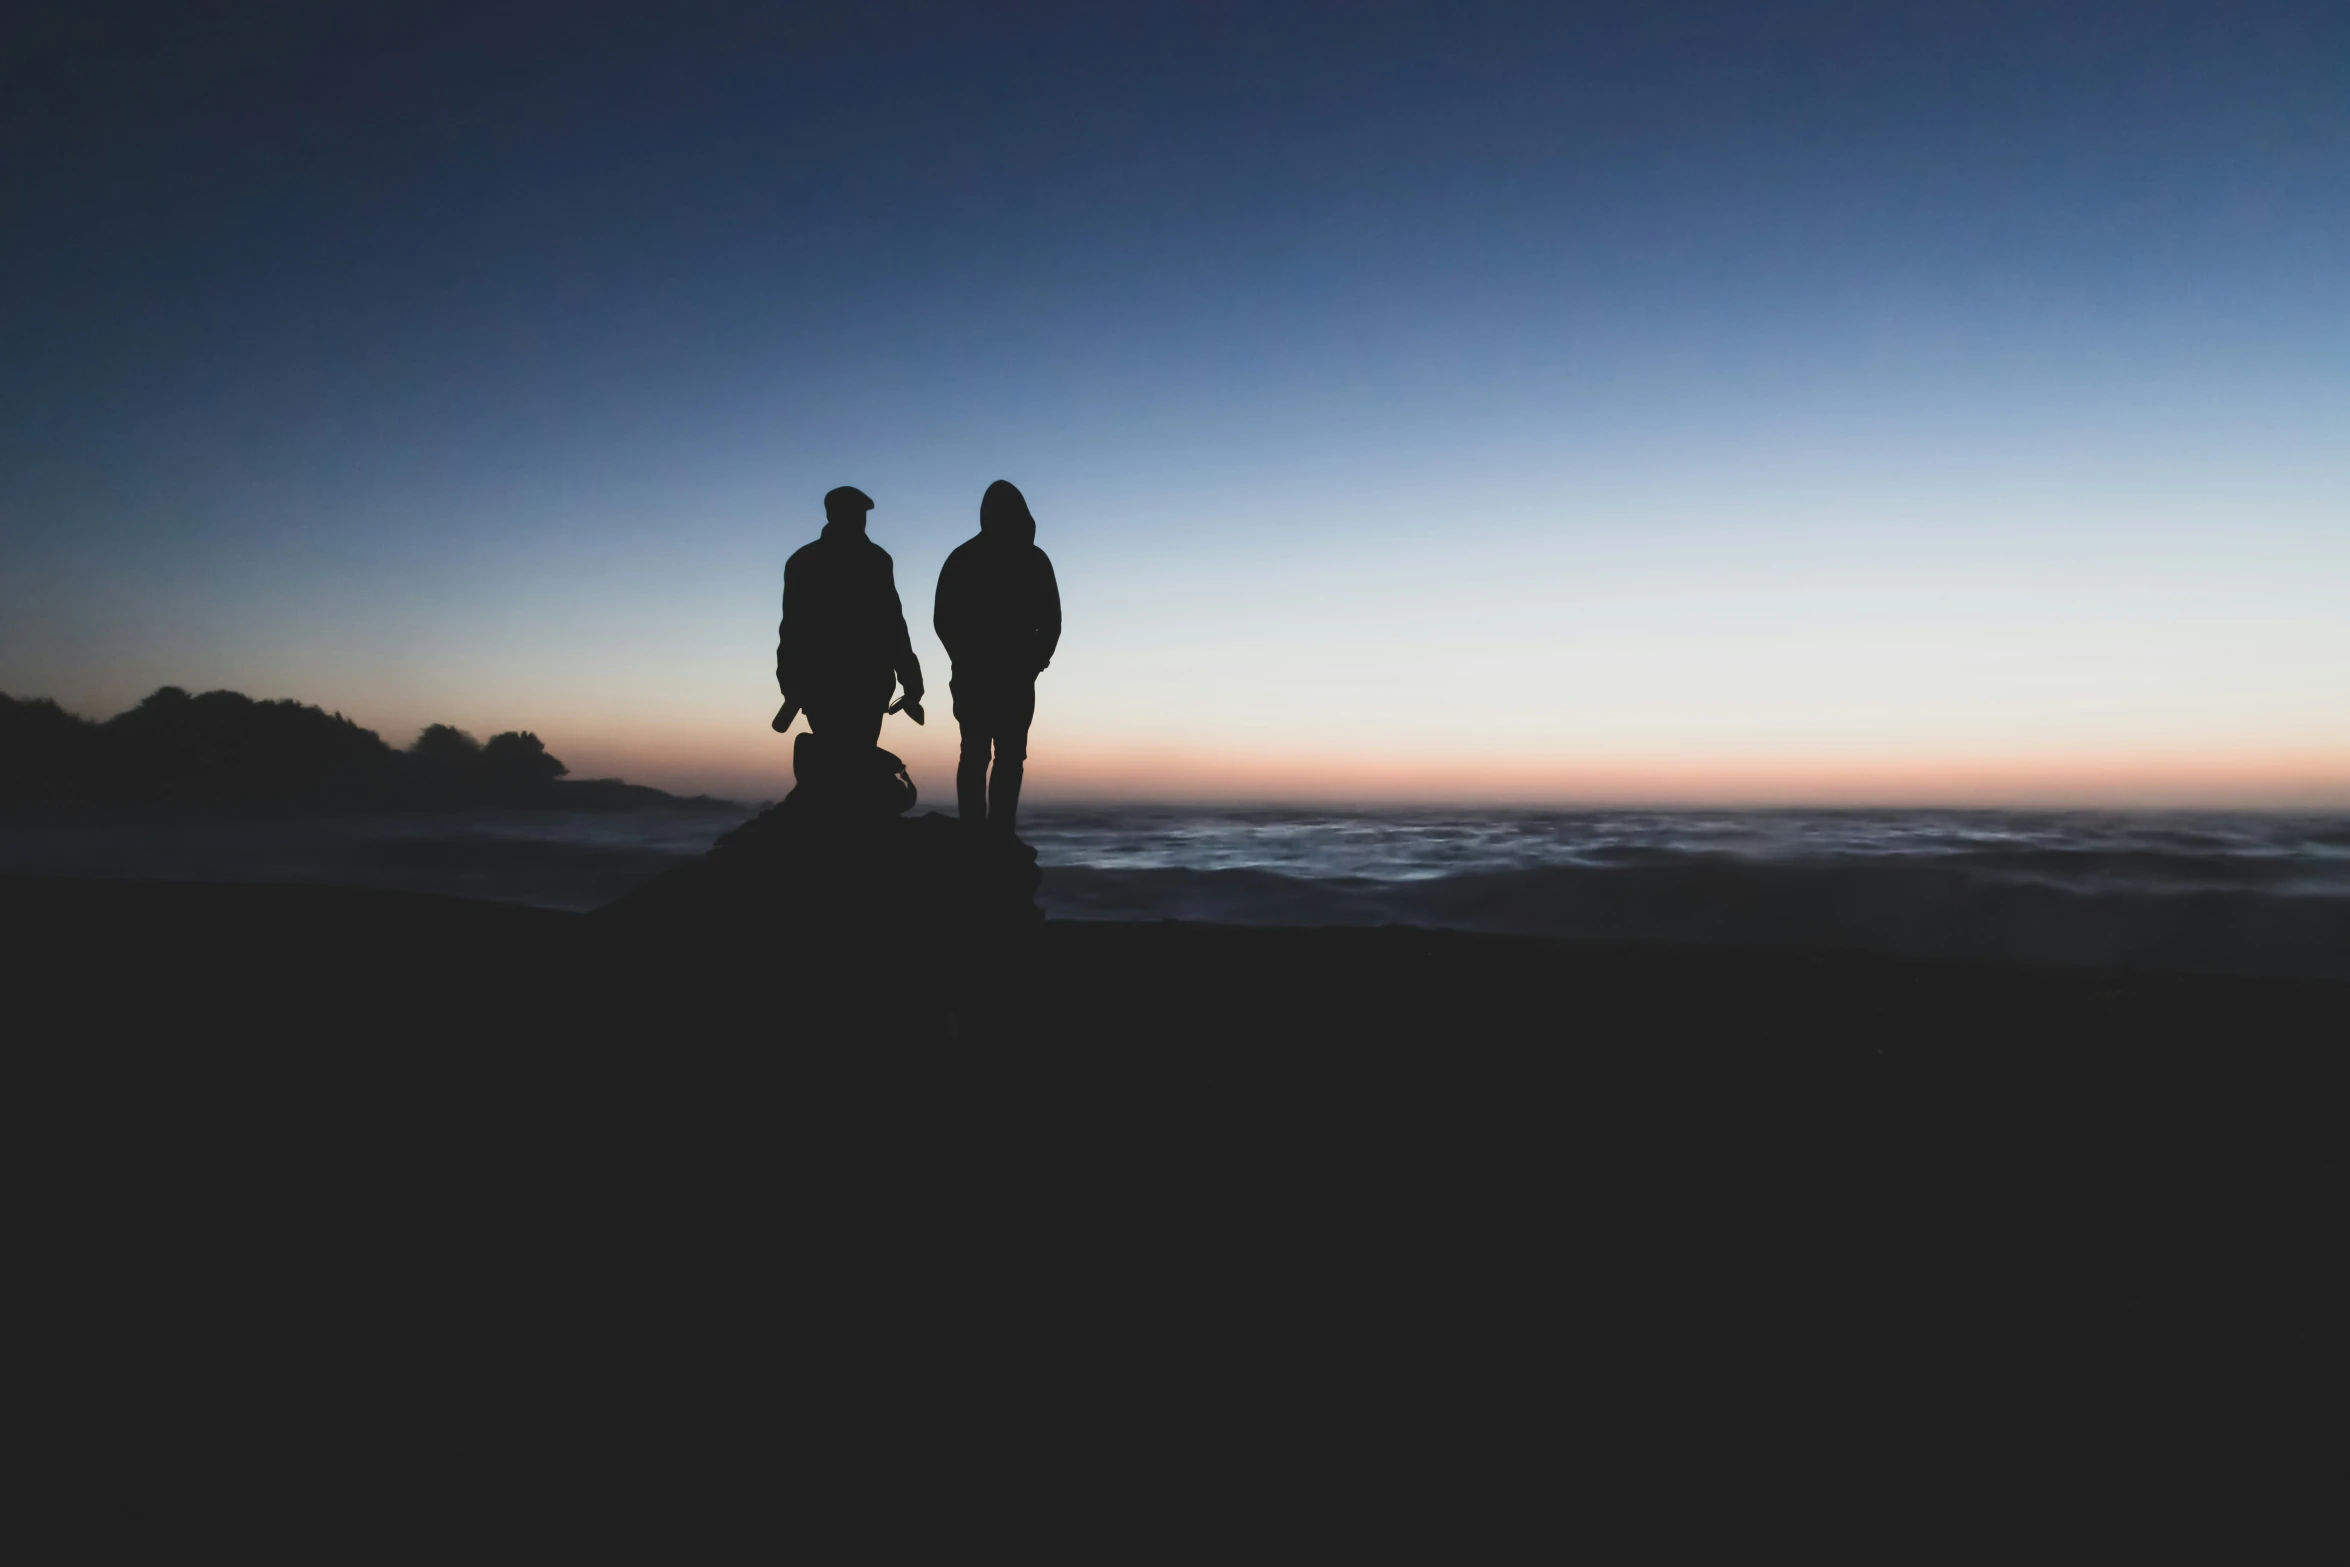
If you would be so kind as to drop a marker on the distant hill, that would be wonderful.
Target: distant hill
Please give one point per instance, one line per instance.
(225, 749)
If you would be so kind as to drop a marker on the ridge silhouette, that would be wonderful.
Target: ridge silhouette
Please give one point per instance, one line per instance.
(225, 751)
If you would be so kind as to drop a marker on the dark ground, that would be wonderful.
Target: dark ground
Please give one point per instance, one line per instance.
(339, 1191)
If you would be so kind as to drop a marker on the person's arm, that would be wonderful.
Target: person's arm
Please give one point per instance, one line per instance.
(909, 670)
(1048, 617)
(946, 607)
(787, 639)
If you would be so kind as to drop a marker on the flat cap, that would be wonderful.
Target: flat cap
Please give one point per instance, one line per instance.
(847, 498)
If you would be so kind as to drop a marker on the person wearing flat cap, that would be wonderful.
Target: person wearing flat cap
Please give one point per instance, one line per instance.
(843, 647)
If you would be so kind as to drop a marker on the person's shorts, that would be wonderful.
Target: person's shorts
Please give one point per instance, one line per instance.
(996, 709)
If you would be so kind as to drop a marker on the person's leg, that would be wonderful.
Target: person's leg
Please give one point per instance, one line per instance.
(844, 717)
(847, 728)
(810, 762)
(860, 725)
(1003, 791)
(971, 766)
(1009, 729)
(971, 775)
(847, 715)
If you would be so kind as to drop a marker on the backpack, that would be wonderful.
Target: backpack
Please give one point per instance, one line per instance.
(874, 782)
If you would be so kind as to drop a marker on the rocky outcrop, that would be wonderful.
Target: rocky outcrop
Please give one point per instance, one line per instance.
(845, 891)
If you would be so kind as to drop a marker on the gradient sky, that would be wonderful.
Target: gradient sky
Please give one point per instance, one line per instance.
(1625, 402)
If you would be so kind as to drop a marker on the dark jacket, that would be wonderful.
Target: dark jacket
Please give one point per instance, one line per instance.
(842, 622)
(999, 609)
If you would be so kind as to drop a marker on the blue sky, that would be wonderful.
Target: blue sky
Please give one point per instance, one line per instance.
(1674, 402)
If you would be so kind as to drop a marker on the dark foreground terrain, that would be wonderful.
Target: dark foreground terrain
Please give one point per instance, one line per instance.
(371, 1195)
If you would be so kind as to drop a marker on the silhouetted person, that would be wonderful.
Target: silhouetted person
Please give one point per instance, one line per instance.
(999, 614)
(843, 646)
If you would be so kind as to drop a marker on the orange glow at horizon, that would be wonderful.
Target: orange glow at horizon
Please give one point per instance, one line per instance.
(2264, 778)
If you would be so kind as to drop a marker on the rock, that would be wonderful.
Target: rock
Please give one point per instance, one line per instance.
(860, 909)
(830, 877)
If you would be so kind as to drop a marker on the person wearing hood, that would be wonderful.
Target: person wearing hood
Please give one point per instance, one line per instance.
(843, 645)
(999, 614)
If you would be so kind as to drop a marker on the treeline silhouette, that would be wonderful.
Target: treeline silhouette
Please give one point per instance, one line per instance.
(224, 749)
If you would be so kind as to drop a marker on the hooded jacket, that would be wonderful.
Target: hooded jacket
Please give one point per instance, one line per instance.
(842, 622)
(998, 608)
